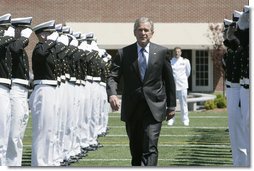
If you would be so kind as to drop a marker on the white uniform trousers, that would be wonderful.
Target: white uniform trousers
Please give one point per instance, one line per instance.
(42, 103)
(86, 133)
(95, 113)
(235, 125)
(83, 124)
(181, 95)
(75, 148)
(5, 113)
(103, 120)
(19, 121)
(61, 113)
(245, 109)
(68, 130)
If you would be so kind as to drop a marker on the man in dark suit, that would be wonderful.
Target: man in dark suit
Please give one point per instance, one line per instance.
(148, 95)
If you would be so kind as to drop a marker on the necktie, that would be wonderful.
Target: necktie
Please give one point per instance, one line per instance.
(142, 63)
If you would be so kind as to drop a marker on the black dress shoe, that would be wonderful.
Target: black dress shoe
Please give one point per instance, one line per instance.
(64, 163)
(74, 157)
(81, 155)
(72, 161)
(90, 148)
(84, 151)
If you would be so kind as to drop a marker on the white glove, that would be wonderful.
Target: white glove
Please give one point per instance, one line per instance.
(63, 39)
(9, 32)
(26, 33)
(74, 42)
(105, 59)
(82, 46)
(53, 36)
(109, 56)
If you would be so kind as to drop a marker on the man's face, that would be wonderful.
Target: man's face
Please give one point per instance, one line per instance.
(178, 52)
(143, 34)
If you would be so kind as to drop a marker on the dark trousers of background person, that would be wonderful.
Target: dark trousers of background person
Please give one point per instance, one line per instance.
(143, 132)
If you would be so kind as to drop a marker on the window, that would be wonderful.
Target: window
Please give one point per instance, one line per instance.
(202, 68)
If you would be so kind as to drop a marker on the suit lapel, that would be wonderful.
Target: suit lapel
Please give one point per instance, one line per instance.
(134, 55)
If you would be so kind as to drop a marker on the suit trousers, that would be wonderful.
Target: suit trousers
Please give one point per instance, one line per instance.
(143, 132)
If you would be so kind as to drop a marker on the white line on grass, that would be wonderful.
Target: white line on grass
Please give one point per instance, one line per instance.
(130, 160)
(176, 127)
(122, 135)
(120, 159)
(172, 127)
(175, 145)
(167, 145)
(199, 117)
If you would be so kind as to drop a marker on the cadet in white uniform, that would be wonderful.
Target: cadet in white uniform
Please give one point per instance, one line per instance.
(6, 38)
(19, 90)
(181, 71)
(43, 99)
(243, 35)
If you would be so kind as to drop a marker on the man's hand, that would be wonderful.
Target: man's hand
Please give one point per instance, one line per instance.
(170, 114)
(114, 102)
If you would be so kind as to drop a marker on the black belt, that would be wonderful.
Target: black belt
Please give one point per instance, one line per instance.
(246, 86)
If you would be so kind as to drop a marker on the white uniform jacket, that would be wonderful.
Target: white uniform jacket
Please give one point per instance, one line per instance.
(181, 71)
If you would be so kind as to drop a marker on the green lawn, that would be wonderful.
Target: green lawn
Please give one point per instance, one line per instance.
(204, 143)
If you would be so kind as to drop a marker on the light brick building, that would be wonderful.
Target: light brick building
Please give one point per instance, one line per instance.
(181, 23)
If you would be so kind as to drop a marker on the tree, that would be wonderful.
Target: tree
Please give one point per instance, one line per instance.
(215, 34)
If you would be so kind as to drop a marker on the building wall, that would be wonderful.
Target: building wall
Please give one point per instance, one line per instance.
(121, 11)
(164, 11)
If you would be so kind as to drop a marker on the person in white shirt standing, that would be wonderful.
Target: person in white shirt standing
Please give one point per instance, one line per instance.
(181, 71)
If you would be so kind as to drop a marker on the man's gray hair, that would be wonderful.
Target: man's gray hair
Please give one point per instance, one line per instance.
(143, 20)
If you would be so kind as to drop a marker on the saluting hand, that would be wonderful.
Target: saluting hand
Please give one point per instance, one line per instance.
(114, 102)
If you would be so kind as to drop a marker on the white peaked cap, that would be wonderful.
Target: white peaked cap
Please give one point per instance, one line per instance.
(5, 19)
(45, 26)
(22, 21)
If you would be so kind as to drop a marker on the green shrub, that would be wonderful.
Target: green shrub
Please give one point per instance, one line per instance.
(209, 105)
(220, 101)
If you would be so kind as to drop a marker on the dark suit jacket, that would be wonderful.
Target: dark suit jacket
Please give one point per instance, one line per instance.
(158, 86)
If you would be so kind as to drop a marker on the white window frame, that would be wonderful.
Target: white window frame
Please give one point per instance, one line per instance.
(209, 87)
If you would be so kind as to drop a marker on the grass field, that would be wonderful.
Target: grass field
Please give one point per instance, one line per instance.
(204, 143)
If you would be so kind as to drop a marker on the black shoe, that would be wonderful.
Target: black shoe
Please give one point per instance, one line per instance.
(81, 155)
(72, 161)
(84, 150)
(95, 146)
(90, 148)
(101, 135)
(64, 163)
